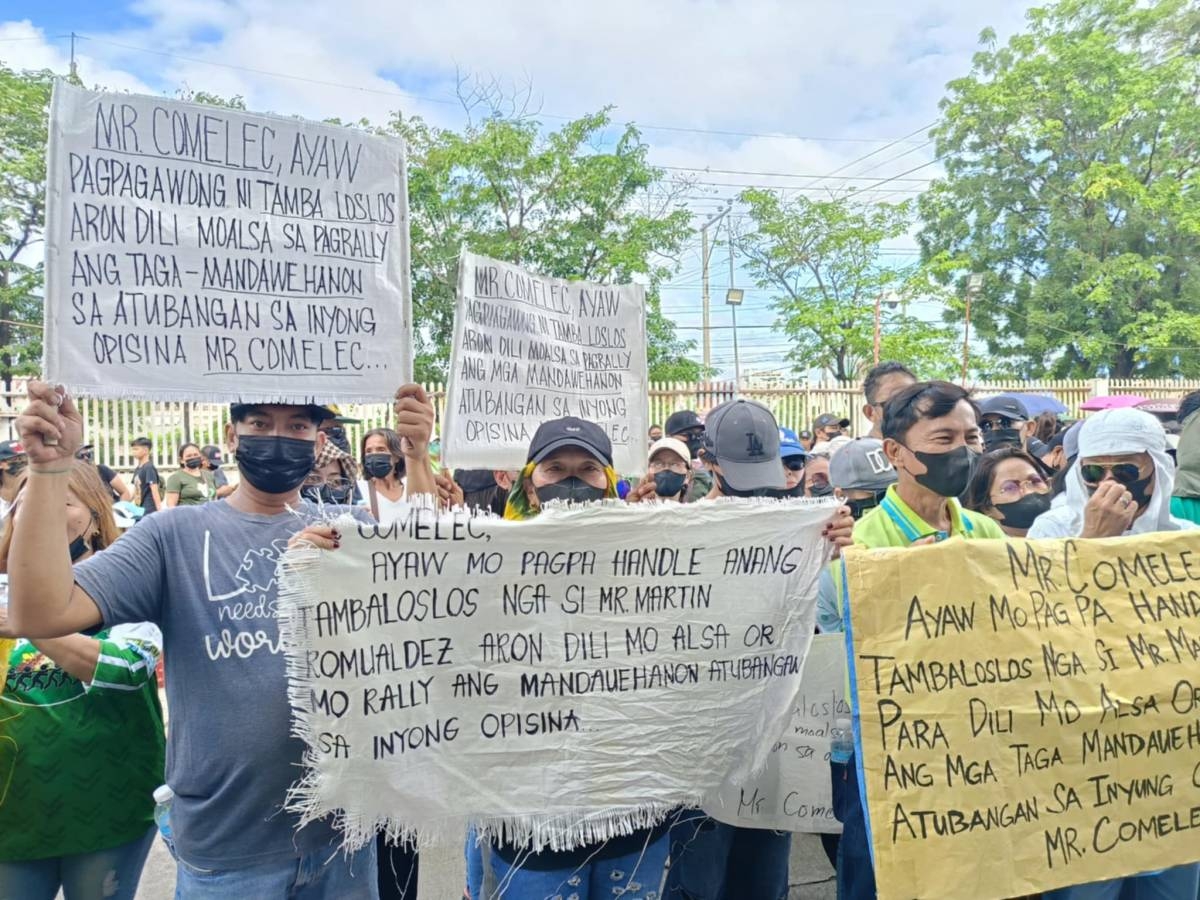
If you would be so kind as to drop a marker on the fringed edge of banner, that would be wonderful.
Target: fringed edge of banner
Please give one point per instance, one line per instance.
(183, 395)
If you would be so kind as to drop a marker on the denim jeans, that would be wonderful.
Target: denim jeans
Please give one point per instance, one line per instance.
(637, 876)
(326, 875)
(110, 874)
(1169, 884)
(855, 873)
(714, 861)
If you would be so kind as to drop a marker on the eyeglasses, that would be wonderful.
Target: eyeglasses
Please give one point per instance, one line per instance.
(995, 424)
(1125, 473)
(679, 468)
(794, 463)
(1015, 490)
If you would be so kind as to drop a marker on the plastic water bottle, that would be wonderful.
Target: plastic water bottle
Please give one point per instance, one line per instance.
(163, 795)
(841, 742)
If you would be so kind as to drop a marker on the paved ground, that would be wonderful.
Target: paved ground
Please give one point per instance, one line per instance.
(811, 875)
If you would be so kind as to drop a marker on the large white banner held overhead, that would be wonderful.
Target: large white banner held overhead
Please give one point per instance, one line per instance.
(196, 252)
(559, 680)
(529, 348)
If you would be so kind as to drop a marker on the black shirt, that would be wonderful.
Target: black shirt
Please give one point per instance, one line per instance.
(143, 477)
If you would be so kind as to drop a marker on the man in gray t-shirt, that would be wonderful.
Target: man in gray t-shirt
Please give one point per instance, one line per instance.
(206, 575)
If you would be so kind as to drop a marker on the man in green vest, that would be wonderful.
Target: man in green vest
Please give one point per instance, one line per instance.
(932, 439)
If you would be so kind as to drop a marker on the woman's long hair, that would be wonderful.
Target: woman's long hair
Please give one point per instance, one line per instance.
(84, 483)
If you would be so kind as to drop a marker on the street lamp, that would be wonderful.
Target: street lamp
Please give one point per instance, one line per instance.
(974, 288)
(733, 299)
(892, 301)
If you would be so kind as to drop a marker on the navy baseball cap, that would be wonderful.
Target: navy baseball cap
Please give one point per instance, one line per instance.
(743, 437)
(570, 431)
(318, 413)
(679, 422)
(1004, 405)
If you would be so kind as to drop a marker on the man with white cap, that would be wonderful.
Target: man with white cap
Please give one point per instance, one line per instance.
(1121, 483)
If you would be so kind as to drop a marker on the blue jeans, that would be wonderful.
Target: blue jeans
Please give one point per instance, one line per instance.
(1179, 883)
(714, 861)
(637, 876)
(855, 873)
(325, 875)
(101, 875)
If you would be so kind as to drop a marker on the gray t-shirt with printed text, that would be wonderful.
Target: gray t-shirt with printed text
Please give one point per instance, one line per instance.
(206, 576)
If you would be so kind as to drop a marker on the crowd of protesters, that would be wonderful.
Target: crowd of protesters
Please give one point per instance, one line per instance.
(92, 614)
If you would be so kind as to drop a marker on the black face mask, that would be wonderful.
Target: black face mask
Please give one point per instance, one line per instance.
(727, 490)
(785, 493)
(947, 474)
(668, 483)
(328, 494)
(275, 465)
(194, 463)
(378, 465)
(859, 508)
(1001, 437)
(695, 442)
(572, 490)
(14, 469)
(79, 547)
(1021, 513)
(821, 490)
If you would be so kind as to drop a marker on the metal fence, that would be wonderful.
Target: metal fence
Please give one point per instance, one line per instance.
(111, 424)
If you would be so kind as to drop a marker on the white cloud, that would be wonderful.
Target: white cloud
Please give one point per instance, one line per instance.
(863, 69)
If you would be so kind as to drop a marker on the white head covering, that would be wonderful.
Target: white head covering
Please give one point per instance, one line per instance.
(1126, 431)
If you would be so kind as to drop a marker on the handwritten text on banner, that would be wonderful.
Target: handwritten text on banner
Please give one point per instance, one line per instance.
(564, 679)
(196, 252)
(529, 348)
(793, 792)
(1036, 717)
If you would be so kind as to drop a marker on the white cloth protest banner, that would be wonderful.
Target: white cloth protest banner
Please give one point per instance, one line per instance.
(529, 348)
(202, 253)
(793, 792)
(556, 681)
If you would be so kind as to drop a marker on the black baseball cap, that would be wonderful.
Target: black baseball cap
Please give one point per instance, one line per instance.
(11, 449)
(1008, 407)
(570, 431)
(743, 437)
(828, 419)
(679, 422)
(212, 453)
(317, 412)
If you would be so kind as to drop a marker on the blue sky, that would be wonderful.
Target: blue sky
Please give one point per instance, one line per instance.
(809, 87)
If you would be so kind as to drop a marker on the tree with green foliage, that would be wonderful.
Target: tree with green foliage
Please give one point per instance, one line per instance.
(1072, 182)
(554, 202)
(821, 259)
(24, 107)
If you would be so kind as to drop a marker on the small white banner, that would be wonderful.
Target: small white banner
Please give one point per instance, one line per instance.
(529, 348)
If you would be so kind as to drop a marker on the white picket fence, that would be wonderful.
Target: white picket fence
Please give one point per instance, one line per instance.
(111, 424)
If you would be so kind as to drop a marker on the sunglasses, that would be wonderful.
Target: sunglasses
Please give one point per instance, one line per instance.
(1124, 473)
(995, 424)
(794, 463)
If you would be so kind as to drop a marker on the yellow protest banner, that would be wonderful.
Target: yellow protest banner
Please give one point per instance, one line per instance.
(1030, 711)
(6, 645)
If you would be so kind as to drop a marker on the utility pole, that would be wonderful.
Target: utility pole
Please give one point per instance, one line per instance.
(733, 297)
(705, 255)
(74, 70)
